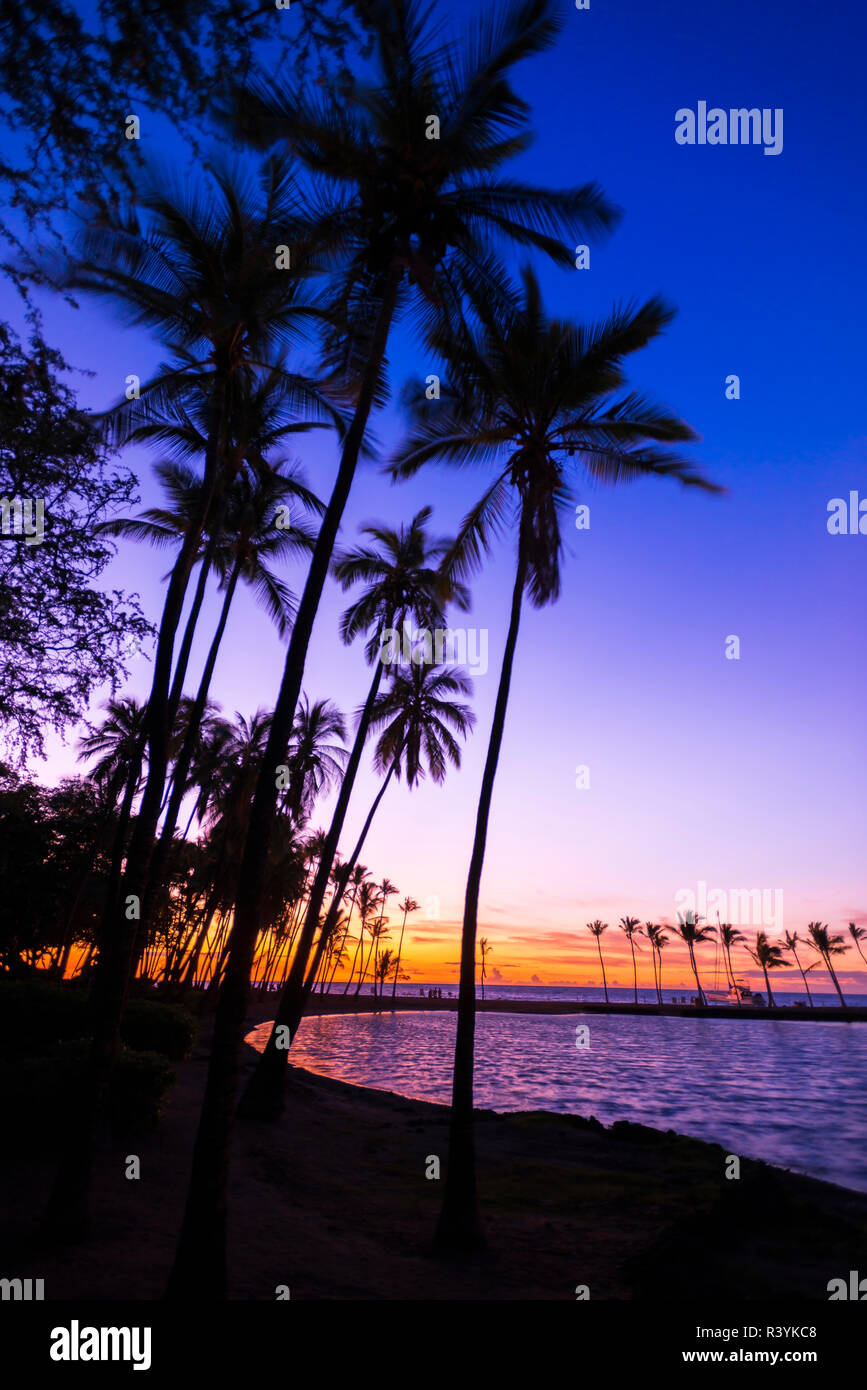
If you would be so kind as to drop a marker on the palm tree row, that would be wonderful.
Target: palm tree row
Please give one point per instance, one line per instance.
(274, 288)
(766, 954)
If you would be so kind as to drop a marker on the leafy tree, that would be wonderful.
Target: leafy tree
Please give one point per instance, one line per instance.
(61, 635)
(70, 74)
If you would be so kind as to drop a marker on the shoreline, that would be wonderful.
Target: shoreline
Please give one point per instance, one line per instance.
(365, 1003)
(333, 1200)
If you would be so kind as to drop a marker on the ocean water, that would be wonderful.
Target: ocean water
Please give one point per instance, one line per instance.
(788, 1092)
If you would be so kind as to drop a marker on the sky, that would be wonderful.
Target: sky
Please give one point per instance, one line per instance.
(735, 774)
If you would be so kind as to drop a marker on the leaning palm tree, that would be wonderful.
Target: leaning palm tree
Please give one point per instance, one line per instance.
(729, 938)
(596, 929)
(768, 955)
(408, 905)
(693, 934)
(530, 394)
(819, 939)
(401, 582)
(657, 937)
(631, 927)
(858, 934)
(791, 942)
(421, 716)
(197, 265)
(406, 216)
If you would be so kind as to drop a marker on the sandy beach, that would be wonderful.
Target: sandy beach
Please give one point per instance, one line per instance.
(333, 1202)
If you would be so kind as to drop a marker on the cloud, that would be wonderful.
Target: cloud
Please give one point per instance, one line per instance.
(496, 974)
(534, 980)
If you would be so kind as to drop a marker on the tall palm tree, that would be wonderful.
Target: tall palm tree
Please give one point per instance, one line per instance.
(528, 393)
(631, 927)
(819, 939)
(316, 761)
(730, 937)
(421, 718)
(769, 955)
(657, 936)
(197, 265)
(484, 952)
(792, 941)
(408, 905)
(401, 213)
(596, 929)
(693, 934)
(401, 582)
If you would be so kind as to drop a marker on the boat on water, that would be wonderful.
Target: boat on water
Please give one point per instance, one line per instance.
(738, 993)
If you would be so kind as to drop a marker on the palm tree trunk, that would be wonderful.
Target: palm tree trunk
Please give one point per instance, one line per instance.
(831, 972)
(803, 977)
(701, 998)
(263, 1096)
(634, 970)
(185, 757)
(293, 1019)
(399, 950)
(459, 1227)
(602, 963)
(183, 660)
(771, 1000)
(200, 1263)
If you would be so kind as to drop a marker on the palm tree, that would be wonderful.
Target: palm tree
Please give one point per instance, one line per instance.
(657, 937)
(631, 927)
(200, 270)
(597, 928)
(858, 934)
(729, 937)
(528, 393)
(792, 941)
(316, 762)
(114, 744)
(401, 582)
(396, 208)
(820, 940)
(484, 951)
(769, 956)
(408, 905)
(689, 930)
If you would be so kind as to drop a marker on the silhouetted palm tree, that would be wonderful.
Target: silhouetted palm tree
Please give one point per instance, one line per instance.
(200, 269)
(657, 936)
(596, 929)
(484, 951)
(528, 393)
(826, 945)
(408, 905)
(399, 210)
(769, 956)
(689, 930)
(792, 941)
(858, 934)
(729, 937)
(631, 927)
(401, 582)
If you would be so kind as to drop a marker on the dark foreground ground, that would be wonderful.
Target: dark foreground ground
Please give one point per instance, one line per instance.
(334, 1202)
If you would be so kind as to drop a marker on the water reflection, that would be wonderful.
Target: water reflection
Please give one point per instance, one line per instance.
(790, 1093)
